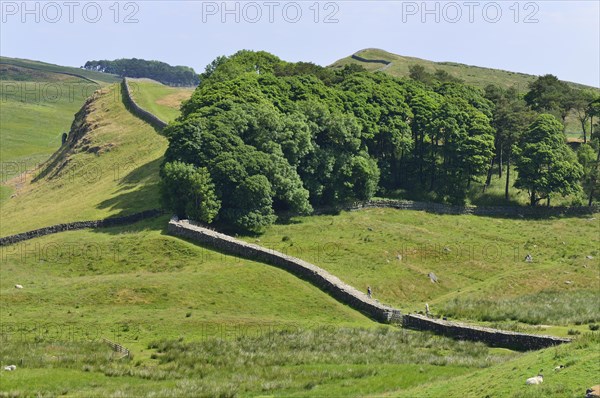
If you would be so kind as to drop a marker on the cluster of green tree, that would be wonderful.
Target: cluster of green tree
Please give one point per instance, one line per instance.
(528, 131)
(260, 135)
(138, 68)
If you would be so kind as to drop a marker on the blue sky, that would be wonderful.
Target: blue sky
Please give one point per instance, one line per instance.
(558, 37)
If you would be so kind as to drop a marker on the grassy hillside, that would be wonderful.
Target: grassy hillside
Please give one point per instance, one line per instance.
(508, 379)
(111, 170)
(474, 75)
(158, 99)
(99, 77)
(38, 104)
(479, 262)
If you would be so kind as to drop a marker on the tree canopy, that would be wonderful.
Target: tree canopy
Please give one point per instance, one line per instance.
(274, 136)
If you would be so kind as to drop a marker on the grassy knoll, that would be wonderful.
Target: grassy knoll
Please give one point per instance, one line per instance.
(113, 169)
(474, 258)
(158, 99)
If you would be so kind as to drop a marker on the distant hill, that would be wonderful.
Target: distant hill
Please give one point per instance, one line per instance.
(397, 65)
(99, 77)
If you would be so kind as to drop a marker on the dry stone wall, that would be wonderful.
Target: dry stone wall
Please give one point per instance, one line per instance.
(491, 337)
(53, 229)
(355, 298)
(317, 276)
(143, 114)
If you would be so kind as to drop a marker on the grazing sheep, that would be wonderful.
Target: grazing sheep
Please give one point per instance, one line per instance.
(593, 392)
(539, 379)
(18, 286)
(10, 368)
(432, 277)
(559, 368)
(528, 258)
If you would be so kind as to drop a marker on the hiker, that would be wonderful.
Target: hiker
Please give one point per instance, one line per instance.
(369, 291)
(427, 310)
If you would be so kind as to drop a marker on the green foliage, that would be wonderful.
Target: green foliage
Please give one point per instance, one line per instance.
(156, 70)
(189, 190)
(546, 165)
(332, 137)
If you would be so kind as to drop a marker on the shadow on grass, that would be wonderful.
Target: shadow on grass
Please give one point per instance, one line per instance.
(138, 191)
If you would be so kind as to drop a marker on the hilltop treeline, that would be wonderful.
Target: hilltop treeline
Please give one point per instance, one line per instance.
(261, 135)
(138, 68)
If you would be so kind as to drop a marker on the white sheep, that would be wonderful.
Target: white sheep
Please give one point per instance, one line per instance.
(10, 368)
(18, 286)
(559, 368)
(539, 379)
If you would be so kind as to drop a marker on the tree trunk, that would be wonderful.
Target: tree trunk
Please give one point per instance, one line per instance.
(548, 201)
(533, 200)
(507, 177)
(500, 163)
(594, 179)
(488, 180)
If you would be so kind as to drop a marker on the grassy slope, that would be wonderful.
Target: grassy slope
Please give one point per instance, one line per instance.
(38, 104)
(485, 261)
(37, 107)
(121, 180)
(474, 75)
(101, 78)
(508, 379)
(158, 99)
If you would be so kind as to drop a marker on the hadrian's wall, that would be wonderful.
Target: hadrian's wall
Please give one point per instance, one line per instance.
(53, 229)
(143, 114)
(317, 276)
(356, 299)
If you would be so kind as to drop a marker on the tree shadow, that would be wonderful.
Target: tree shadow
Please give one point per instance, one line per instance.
(138, 190)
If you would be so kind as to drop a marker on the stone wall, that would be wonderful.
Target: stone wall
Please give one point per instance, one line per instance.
(491, 337)
(107, 222)
(134, 108)
(357, 299)
(502, 211)
(371, 61)
(313, 274)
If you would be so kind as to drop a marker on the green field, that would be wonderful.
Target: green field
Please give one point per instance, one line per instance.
(202, 323)
(158, 99)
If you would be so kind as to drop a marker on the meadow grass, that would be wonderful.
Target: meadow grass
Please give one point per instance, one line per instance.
(555, 307)
(158, 99)
(325, 361)
(581, 359)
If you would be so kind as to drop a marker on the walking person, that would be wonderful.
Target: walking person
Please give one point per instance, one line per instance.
(369, 291)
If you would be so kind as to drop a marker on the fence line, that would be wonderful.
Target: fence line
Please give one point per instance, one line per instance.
(103, 223)
(118, 348)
